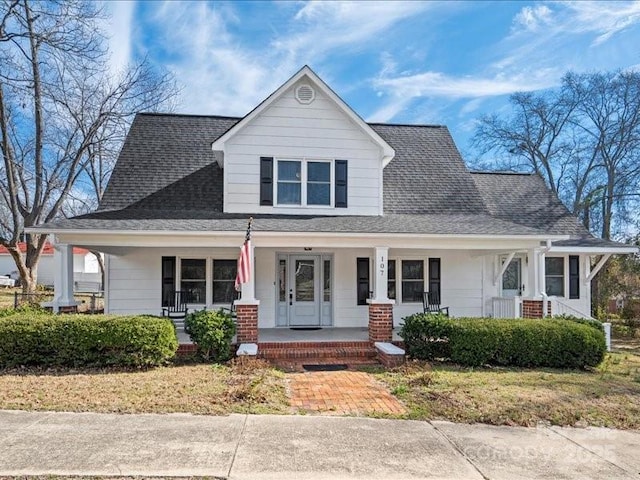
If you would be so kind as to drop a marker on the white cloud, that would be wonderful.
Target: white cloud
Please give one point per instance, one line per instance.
(389, 110)
(606, 19)
(223, 73)
(563, 37)
(532, 18)
(321, 27)
(118, 29)
(218, 75)
(401, 90)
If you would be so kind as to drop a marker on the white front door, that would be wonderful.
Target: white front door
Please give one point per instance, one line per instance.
(512, 278)
(304, 290)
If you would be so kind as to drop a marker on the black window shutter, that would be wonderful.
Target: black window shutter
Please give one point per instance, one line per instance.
(434, 276)
(341, 184)
(266, 180)
(362, 273)
(574, 276)
(168, 280)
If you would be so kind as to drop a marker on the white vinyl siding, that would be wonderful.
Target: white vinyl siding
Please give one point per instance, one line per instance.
(290, 130)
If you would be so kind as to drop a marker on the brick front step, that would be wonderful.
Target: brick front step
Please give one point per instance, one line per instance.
(316, 353)
(186, 349)
(349, 353)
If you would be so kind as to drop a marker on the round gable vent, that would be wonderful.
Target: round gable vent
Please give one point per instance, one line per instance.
(305, 94)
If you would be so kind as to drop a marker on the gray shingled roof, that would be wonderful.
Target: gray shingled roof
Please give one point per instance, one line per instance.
(524, 199)
(160, 152)
(201, 220)
(427, 174)
(167, 178)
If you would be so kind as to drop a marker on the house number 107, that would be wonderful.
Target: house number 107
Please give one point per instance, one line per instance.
(382, 266)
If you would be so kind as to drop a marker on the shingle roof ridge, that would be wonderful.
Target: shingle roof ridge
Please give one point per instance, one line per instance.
(500, 172)
(421, 125)
(191, 115)
(235, 117)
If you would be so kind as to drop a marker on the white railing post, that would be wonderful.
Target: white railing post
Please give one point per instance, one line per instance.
(607, 334)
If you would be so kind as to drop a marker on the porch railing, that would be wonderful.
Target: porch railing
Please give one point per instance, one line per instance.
(558, 307)
(88, 302)
(507, 307)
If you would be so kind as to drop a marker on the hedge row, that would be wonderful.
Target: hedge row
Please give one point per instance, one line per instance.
(519, 342)
(34, 338)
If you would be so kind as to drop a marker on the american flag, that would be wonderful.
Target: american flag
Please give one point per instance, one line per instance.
(243, 274)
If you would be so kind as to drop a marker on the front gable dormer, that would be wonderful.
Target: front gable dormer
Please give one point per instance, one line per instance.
(303, 151)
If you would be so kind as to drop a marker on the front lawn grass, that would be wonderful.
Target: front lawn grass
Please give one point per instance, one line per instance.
(607, 396)
(249, 386)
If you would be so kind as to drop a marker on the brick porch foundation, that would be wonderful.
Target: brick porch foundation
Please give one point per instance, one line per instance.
(533, 308)
(247, 323)
(380, 322)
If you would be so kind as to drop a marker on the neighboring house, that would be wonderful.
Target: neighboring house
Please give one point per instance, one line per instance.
(86, 270)
(352, 221)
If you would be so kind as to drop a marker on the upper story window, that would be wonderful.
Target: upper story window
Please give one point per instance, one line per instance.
(303, 182)
(289, 182)
(318, 183)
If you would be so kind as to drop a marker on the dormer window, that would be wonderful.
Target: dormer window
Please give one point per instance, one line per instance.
(318, 183)
(303, 182)
(289, 182)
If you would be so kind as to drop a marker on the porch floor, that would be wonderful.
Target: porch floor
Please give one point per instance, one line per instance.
(286, 335)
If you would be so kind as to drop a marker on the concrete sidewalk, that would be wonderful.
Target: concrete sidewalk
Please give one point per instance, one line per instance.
(295, 447)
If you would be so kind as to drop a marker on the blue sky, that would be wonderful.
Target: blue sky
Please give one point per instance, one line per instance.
(398, 62)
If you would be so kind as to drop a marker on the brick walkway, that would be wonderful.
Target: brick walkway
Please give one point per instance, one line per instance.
(341, 393)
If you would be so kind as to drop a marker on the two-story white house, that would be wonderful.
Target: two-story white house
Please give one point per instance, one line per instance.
(353, 222)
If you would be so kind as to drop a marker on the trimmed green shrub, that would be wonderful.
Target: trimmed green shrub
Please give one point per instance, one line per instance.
(25, 308)
(592, 322)
(513, 342)
(212, 332)
(36, 338)
(426, 336)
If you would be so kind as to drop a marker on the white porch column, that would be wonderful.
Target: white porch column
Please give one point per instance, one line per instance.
(532, 286)
(63, 276)
(542, 273)
(380, 274)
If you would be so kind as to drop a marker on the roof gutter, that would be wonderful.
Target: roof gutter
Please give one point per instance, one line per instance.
(271, 234)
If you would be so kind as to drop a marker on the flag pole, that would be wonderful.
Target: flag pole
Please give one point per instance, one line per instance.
(245, 260)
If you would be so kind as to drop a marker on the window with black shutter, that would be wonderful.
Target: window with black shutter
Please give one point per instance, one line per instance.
(266, 180)
(574, 276)
(341, 184)
(434, 276)
(168, 280)
(362, 273)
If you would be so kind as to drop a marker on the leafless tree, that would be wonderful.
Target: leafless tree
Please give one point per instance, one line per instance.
(582, 138)
(57, 100)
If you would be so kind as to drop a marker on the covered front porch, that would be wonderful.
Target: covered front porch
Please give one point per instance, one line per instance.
(330, 286)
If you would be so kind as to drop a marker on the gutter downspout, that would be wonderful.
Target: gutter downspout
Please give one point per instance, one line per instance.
(541, 280)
